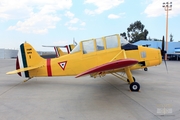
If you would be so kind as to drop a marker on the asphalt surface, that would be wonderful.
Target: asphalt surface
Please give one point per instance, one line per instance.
(85, 98)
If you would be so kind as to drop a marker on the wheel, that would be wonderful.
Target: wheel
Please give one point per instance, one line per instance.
(145, 69)
(133, 79)
(135, 86)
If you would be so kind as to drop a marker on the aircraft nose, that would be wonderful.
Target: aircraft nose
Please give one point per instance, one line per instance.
(151, 56)
(155, 57)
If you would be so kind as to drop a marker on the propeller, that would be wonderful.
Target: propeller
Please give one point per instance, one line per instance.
(163, 53)
(162, 48)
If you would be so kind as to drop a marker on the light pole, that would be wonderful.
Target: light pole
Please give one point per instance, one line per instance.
(167, 7)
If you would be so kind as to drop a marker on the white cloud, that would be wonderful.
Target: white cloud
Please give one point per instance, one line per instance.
(72, 28)
(34, 16)
(83, 24)
(113, 16)
(155, 8)
(69, 14)
(36, 24)
(74, 21)
(116, 16)
(102, 5)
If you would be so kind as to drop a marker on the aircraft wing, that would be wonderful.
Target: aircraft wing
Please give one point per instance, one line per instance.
(22, 70)
(53, 46)
(109, 66)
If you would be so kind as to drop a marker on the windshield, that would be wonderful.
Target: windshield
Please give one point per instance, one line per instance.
(76, 49)
(123, 41)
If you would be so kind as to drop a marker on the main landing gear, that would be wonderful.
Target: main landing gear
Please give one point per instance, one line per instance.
(134, 86)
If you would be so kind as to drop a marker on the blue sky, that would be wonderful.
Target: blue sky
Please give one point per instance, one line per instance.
(57, 22)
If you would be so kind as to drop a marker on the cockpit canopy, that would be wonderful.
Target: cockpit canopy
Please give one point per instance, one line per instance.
(98, 44)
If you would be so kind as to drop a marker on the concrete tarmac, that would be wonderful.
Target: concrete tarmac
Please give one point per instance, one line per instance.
(85, 98)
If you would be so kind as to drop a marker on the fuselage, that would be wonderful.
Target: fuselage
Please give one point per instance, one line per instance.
(94, 52)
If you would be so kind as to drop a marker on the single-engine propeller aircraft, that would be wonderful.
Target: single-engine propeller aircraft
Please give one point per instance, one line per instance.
(95, 57)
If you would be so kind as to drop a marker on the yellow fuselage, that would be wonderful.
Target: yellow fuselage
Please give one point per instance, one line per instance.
(88, 54)
(79, 62)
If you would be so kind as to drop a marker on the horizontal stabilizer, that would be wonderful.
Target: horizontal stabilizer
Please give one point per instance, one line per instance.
(22, 70)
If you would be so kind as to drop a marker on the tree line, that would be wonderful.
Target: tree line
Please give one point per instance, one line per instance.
(136, 31)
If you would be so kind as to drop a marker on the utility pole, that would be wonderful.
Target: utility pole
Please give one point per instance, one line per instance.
(167, 7)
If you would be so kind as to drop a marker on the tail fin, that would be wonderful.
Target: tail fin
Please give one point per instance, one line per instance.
(27, 59)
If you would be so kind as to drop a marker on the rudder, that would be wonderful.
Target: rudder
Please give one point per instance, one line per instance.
(27, 57)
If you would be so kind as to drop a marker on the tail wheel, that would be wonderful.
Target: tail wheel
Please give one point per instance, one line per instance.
(134, 86)
(146, 69)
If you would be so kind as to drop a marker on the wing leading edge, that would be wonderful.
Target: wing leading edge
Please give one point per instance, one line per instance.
(109, 66)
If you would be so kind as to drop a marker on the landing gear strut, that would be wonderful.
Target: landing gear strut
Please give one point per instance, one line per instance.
(133, 79)
(134, 86)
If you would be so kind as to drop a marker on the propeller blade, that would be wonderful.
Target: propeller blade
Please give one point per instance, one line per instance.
(162, 48)
(163, 53)
(166, 65)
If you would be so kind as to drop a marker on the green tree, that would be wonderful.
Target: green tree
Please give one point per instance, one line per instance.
(171, 38)
(136, 32)
(123, 35)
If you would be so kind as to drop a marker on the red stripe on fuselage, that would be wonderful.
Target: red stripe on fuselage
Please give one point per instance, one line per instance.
(49, 67)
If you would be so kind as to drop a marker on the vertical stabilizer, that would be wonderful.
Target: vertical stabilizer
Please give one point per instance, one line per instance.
(27, 57)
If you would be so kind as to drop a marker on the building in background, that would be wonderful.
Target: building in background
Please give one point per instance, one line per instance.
(10, 54)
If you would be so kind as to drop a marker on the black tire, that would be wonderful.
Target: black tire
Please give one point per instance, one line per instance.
(134, 87)
(133, 79)
(145, 69)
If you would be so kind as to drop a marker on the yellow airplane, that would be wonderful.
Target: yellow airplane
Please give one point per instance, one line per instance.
(95, 57)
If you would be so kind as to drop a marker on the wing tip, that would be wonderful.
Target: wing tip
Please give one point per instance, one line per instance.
(77, 76)
(11, 72)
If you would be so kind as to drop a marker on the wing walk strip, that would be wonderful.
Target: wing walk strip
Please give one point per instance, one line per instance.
(49, 72)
